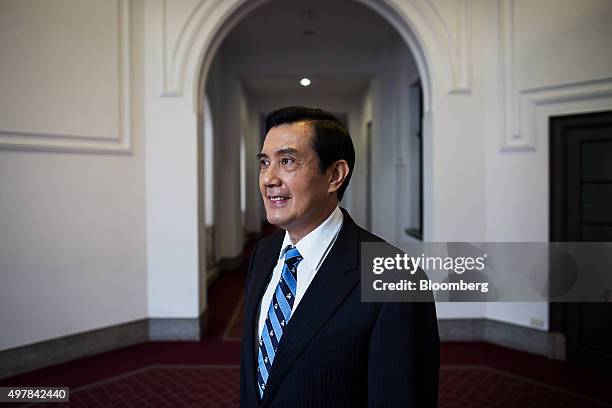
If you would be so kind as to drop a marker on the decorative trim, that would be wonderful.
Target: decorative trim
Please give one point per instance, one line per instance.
(456, 43)
(537, 105)
(464, 82)
(523, 111)
(175, 56)
(119, 144)
(175, 60)
(459, 46)
(549, 344)
(511, 139)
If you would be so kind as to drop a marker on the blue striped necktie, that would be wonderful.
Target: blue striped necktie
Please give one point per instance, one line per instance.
(279, 313)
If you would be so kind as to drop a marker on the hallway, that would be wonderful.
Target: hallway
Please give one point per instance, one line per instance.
(129, 132)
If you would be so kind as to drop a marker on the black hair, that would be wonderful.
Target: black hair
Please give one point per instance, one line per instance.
(330, 137)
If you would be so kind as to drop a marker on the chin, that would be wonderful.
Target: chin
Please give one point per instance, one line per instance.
(276, 220)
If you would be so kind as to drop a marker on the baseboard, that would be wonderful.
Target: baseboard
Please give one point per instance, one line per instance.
(174, 329)
(56, 351)
(544, 343)
(46, 353)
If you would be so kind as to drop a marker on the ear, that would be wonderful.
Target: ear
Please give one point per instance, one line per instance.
(339, 171)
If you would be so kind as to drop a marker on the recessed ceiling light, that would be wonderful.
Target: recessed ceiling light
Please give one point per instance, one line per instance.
(305, 81)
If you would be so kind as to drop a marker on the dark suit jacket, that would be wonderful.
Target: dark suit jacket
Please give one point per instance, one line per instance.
(337, 351)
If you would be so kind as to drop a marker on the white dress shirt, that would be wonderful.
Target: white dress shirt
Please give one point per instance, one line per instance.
(314, 248)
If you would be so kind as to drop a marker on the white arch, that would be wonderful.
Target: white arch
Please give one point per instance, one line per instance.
(418, 22)
(406, 18)
(185, 65)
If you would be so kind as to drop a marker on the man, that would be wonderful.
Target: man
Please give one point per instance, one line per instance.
(308, 339)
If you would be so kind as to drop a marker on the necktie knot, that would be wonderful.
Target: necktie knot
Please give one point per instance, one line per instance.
(292, 256)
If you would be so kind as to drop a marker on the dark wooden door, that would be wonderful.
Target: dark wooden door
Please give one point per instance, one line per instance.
(581, 210)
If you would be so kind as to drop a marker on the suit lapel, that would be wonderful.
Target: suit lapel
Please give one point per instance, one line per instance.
(262, 270)
(332, 283)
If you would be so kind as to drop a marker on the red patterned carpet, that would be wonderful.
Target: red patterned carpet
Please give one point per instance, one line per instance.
(163, 386)
(218, 386)
(206, 373)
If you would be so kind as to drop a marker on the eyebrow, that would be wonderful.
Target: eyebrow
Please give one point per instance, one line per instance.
(287, 150)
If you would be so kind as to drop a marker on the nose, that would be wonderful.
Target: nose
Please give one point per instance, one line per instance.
(269, 176)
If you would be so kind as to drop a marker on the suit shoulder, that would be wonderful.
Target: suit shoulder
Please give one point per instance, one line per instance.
(367, 236)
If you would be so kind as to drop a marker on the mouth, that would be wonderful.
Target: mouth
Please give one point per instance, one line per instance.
(278, 200)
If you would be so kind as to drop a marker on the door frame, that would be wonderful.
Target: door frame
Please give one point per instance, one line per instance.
(562, 316)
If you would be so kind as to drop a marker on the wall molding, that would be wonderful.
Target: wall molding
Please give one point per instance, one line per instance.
(43, 354)
(176, 53)
(31, 357)
(120, 143)
(459, 45)
(511, 139)
(537, 105)
(175, 56)
(525, 112)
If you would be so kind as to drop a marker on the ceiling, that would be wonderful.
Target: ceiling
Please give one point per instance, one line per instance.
(313, 26)
(329, 23)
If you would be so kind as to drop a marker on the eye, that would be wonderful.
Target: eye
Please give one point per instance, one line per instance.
(264, 163)
(286, 161)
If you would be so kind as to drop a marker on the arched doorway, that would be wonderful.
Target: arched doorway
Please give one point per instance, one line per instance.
(403, 28)
(405, 20)
(175, 246)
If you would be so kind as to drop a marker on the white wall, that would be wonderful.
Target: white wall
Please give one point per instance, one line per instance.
(172, 183)
(549, 44)
(72, 223)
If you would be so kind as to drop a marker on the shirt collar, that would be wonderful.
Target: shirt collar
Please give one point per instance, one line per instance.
(314, 245)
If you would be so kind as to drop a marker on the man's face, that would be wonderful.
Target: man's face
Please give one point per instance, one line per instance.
(294, 191)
